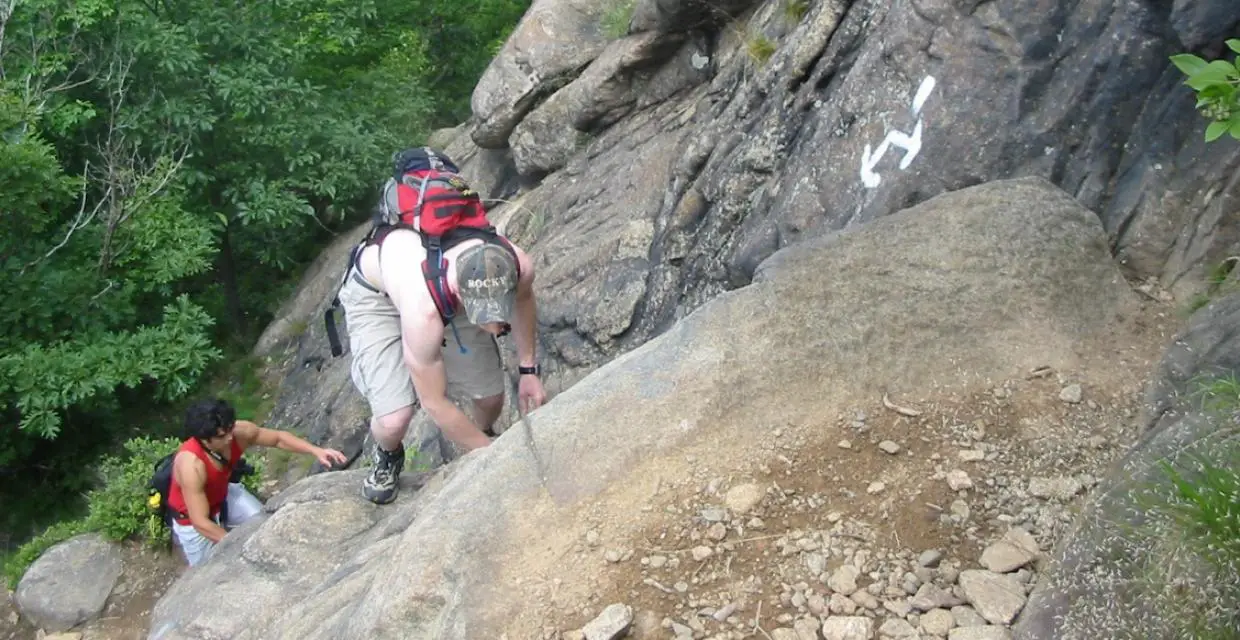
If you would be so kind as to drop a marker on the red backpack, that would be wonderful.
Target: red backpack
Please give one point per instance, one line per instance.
(428, 195)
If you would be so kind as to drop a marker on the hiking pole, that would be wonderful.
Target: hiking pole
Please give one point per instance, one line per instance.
(529, 438)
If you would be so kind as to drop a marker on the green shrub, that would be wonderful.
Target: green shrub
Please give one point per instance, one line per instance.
(118, 508)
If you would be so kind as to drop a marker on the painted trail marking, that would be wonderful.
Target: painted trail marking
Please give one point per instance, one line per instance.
(910, 143)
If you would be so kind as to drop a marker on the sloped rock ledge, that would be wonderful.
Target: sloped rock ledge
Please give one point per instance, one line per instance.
(993, 279)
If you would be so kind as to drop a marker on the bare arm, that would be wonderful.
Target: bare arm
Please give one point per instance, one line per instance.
(525, 320)
(248, 433)
(191, 476)
(430, 379)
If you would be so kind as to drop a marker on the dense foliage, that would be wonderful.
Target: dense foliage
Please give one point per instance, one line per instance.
(166, 168)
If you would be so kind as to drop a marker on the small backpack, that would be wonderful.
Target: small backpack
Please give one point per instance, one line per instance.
(427, 194)
(159, 485)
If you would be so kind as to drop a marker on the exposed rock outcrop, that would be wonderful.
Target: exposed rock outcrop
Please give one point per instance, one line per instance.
(663, 179)
(991, 280)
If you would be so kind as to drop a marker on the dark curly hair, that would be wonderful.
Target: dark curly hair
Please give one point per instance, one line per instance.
(207, 418)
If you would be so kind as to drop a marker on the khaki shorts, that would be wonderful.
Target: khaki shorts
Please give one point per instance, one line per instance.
(378, 369)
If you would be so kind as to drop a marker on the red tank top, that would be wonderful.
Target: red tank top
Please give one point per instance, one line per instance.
(217, 480)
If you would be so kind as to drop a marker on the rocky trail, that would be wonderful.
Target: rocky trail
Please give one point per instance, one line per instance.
(908, 518)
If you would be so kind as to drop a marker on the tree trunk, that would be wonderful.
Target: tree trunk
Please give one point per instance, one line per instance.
(228, 278)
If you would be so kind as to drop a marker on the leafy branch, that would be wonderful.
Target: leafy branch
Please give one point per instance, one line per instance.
(1217, 84)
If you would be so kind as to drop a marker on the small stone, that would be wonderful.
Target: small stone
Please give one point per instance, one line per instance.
(592, 538)
(717, 531)
(844, 580)
(847, 628)
(876, 487)
(998, 597)
(930, 597)
(889, 447)
(971, 455)
(844, 444)
(937, 622)
(840, 605)
(930, 558)
(899, 607)
(681, 586)
(741, 499)
(702, 552)
(865, 599)
(657, 562)
(816, 604)
(816, 563)
(784, 633)
(958, 480)
(724, 612)
(1071, 394)
(1017, 549)
(612, 623)
(1058, 488)
(966, 616)
(613, 555)
(897, 628)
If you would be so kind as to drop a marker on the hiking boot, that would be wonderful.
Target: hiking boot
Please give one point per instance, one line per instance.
(380, 486)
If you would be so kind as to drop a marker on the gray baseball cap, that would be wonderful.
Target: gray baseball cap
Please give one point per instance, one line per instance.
(486, 279)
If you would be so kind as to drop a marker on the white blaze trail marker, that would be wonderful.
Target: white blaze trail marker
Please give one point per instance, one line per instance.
(910, 143)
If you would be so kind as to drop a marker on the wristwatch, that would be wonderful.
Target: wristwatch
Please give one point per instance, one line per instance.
(529, 371)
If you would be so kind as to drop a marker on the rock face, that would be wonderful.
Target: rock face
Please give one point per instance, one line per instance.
(650, 172)
(1099, 585)
(660, 168)
(317, 399)
(70, 583)
(457, 558)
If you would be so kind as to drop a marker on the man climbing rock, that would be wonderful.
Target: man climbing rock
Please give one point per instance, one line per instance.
(425, 297)
(201, 491)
